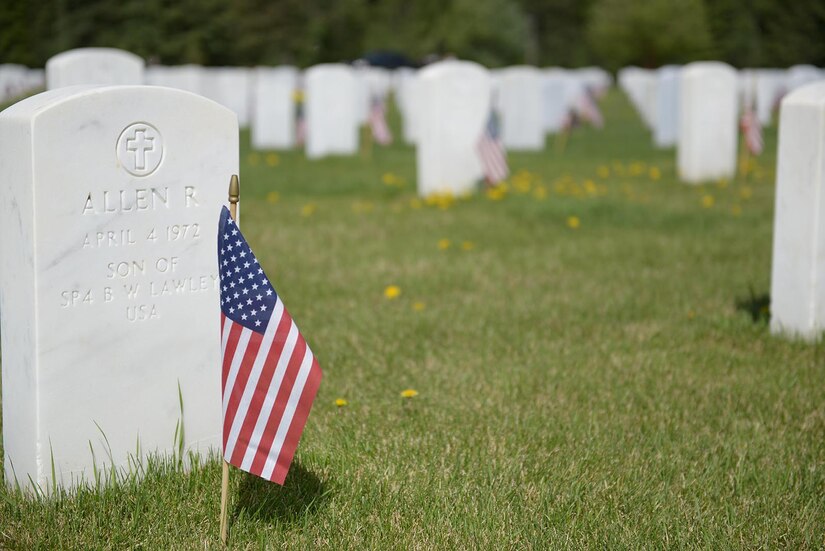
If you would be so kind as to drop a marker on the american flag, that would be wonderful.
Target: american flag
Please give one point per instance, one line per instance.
(588, 110)
(269, 376)
(752, 131)
(378, 122)
(491, 152)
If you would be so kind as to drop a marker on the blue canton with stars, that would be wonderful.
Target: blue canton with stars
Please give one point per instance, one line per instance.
(247, 296)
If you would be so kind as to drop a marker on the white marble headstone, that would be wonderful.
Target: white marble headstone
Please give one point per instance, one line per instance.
(273, 122)
(770, 85)
(407, 98)
(182, 77)
(94, 66)
(798, 275)
(555, 103)
(231, 87)
(666, 129)
(520, 101)
(708, 122)
(108, 276)
(640, 86)
(455, 106)
(331, 110)
(14, 80)
(800, 75)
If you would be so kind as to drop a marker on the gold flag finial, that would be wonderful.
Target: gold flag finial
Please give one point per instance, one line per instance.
(234, 196)
(234, 189)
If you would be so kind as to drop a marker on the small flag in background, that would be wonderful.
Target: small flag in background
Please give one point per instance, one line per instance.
(269, 375)
(300, 118)
(491, 151)
(752, 131)
(588, 110)
(378, 122)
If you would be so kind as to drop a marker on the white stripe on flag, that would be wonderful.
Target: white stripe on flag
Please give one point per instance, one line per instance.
(227, 324)
(255, 374)
(271, 394)
(289, 412)
(235, 366)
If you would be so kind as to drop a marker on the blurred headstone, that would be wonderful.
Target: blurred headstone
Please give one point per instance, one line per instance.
(520, 106)
(708, 122)
(231, 87)
(798, 275)
(666, 129)
(331, 110)
(455, 107)
(273, 123)
(94, 66)
(556, 104)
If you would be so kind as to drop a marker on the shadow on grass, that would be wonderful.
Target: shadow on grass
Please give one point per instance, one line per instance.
(302, 495)
(758, 307)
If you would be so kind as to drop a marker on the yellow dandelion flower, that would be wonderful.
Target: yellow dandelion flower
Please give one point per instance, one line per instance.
(340, 402)
(722, 183)
(309, 209)
(298, 96)
(418, 306)
(746, 192)
(708, 201)
(468, 245)
(540, 193)
(443, 244)
(389, 178)
(654, 173)
(603, 171)
(573, 222)
(272, 159)
(415, 203)
(736, 210)
(409, 393)
(392, 291)
(273, 197)
(590, 187)
(637, 168)
(253, 158)
(496, 193)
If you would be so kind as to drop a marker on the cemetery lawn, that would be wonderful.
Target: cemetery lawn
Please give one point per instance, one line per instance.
(590, 351)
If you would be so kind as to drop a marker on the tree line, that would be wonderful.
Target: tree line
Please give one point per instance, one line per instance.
(570, 33)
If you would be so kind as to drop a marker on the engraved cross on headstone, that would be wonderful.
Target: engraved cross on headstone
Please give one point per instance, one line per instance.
(140, 145)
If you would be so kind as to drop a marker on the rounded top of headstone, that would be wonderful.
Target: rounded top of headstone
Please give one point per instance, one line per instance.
(448, 66)
(95, 52)
(329, 67)
(812, 94)
(705, 66)
(34, 106)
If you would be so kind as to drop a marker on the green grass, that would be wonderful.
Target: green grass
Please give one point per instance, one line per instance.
(609, 386)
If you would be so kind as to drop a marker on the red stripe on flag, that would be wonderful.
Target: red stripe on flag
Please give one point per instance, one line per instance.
(231, 345)
(258, 397)
(298, 422)
(275, 416)
(236, 392)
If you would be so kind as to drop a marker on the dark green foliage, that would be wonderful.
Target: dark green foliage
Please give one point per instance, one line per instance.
(569, 33)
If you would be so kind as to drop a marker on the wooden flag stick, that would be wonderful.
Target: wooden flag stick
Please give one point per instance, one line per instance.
(224, 499)
(234, 199)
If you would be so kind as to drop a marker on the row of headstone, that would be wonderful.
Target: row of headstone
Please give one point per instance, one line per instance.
(760, 88)
(696, 109)
(17, 80)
